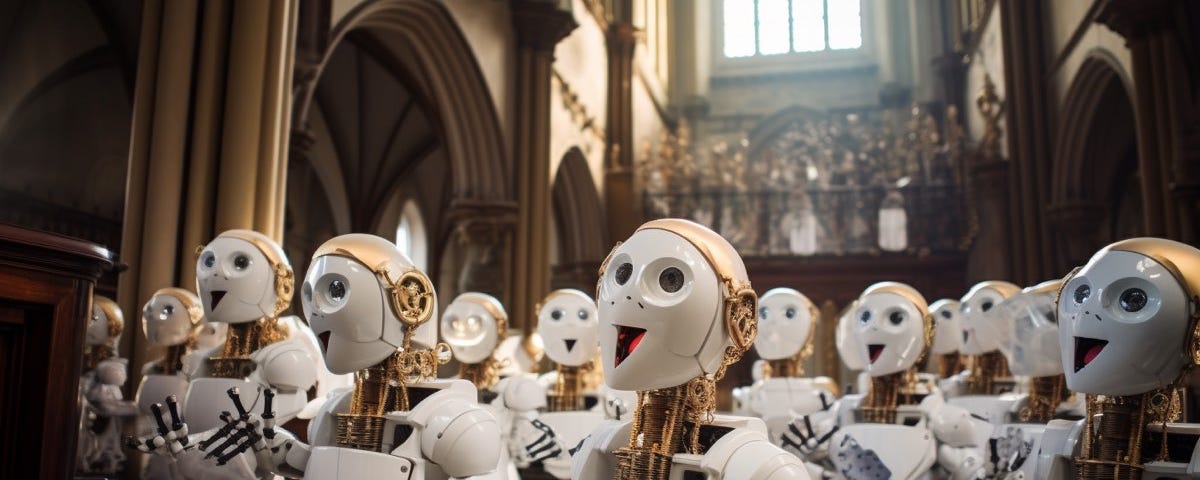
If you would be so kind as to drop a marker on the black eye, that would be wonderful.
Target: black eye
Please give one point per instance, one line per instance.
(241, 262)
(671, 280)
(169, 309)
(896, 318)
(624, 271)
(208, 260)
(1133, 299)
(556, 314)
(583, 314)
(986, 306)
(865, 316)
(337, 291)
(790, 313)
(946, 314)
(1082, 292)
(762, 313)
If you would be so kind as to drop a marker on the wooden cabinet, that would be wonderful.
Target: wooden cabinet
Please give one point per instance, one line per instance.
(46, 286)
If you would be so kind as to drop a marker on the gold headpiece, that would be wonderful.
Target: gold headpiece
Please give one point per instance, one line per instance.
(116, 319)
(411, 292)
(1005, 289)
(190, 303)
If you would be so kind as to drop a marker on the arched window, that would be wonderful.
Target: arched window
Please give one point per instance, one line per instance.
(410, 234)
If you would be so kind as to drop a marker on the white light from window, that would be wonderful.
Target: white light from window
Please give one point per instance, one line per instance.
(739, 28)
(845, 24)
(404, 237)
(773, 27)
(808, 25)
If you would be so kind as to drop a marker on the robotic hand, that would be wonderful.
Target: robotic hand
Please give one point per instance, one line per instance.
(805, 440)
(537, 442)
(169, 441)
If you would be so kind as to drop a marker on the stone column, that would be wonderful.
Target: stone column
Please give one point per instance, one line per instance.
(209, 139)
(539, 25)
(620, 197)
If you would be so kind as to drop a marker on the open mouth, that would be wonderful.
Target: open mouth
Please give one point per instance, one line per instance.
(324, 338)
(1086, 350)
(628, 339)
(570, 343)
(875, 350)
(217, 295)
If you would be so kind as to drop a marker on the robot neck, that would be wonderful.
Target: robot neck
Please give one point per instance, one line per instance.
(1116, 440)
(949, 364)
(792, 367)
(378, 389)
(888, 392)
(172, 361)
(1045, 395)
(568, 390)
(94, 354)
(985, 371)
(484, 374)
(242, 340)
(667, 421)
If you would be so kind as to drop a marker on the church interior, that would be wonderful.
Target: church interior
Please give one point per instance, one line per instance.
(987, 166)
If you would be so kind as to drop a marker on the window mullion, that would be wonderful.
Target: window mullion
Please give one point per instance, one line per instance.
(757, 37)
(791, 26)
(825, 20)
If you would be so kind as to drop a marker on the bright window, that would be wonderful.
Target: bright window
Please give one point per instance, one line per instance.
(410, 234)
(772, 27)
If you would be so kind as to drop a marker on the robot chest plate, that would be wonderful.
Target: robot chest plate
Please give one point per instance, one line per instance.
(335, 463)
(206, 399)
(864, 450)
(156, 388)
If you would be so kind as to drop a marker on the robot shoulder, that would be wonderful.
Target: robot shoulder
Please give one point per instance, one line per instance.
(746, 454)
(287, 364)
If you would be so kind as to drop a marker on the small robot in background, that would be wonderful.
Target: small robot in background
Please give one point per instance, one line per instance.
(947, 338)
(104, 406)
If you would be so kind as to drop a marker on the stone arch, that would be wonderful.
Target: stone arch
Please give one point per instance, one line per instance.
(579, 215)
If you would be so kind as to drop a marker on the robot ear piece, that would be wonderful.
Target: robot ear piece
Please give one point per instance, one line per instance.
(1065, 281)
(198, 251)
(284, 286)
(412, 298)
(741, 315)
(603, 267)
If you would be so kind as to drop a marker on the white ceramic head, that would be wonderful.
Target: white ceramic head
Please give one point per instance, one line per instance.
(1032, 347)
(850, 347)
(473, 325)
(984, 328)
(1125, 318)
(171, 317)
(663, 297)
(105, 324)
(360, 296)
(893, 320)
(947, 327)
(569, 327)
(243, 276)
(786, 320)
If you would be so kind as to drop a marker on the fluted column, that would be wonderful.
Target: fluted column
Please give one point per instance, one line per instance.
(620, 198)
(539, 25)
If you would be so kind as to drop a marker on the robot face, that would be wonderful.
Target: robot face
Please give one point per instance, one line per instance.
(166, 321)
(984, 328)
(850, 347)
(785, 324)
(470, 329)
(893, 331)
(947, 333)
(97, 327)
(346, 307)
(568, 324)
(1121, 320)
(211, 335)
(235, 280)
(1033, 350)
(659, 301)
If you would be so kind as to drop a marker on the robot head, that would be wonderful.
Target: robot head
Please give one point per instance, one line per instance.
(1126, 318)
(894, 326)
(947, 330)
(172, 317)
(786, 322)
(242, 276)
(568, 325)
(851, 348)
(362, 298)
(474, 325)
(1031, 346)
(984, 327)
(675, 303)
(106, 323)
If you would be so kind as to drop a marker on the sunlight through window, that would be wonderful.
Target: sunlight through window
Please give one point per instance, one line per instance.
(772, 27)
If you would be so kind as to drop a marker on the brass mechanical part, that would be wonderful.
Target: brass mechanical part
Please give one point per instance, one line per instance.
(1045, 395)
(1116, 429)
(950, 364)
(94, 354)
(567, 395)
(985, 370)
(657, 435)
(383, 388)
(887, 393)
(172, 362)
(244, 339)
(484, 374)
(791, 367)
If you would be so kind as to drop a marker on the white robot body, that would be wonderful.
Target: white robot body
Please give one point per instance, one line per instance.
(778, 401)
(906, 452)
(154, 388)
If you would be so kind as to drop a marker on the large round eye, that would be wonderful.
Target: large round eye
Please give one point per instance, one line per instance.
(865, 317)
(624, 271)
(1082, 292)
(946, 314)
(897, 317)
(556, 314)
(583, 314)
(762, 313)
(166, 312)
(987, 305)
(1133, 299)
(241, 262)
(337, 291)
(790, 313)
(208, 259)
(671, 279)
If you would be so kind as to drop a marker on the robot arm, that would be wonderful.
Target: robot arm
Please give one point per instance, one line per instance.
(460, 437)
(746, 455)
(1060, 443)
(954, 430)
(808, 436)
(287, 367)
(593, 458)
(105, 394)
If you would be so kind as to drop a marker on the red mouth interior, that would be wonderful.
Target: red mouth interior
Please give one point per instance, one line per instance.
(875, 350)
(1086, 350)
(324, 338)
(217, 295)
(628, 339)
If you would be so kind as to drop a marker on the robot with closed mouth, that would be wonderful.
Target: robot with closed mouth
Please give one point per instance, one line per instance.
(901, 426)
(947, 338)
(245, 281)
(104, 406)
(676, 309)
(984, 327)
(1128, 333)
(787, 321)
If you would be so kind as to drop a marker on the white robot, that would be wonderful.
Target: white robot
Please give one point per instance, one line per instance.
(1128, 335)
(104, 406)
(851, 351)
(676, 308)
(787, 321)
(172, 319)
(984, 329)
(947, 338)
(901, 427)
(244, 280)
